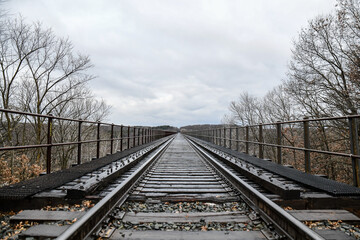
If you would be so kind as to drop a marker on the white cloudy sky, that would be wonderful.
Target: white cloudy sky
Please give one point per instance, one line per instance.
(177, 62)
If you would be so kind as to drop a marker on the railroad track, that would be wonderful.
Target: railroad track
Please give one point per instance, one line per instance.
(181, 189)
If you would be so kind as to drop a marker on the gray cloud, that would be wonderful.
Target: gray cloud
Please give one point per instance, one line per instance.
(177, 62)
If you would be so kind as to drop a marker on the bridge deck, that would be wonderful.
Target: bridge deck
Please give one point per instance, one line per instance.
(29, 188)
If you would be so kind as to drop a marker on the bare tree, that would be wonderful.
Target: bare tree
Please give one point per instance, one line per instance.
(16, 44)
(278, 106)
(323, 80)
(85, 107)
(246, 111)
(319, 75)
(40, 73)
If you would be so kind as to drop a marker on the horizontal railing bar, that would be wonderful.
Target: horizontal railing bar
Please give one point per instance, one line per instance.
(289, 147)
(234, 126)
(9, 148)
(24, 147)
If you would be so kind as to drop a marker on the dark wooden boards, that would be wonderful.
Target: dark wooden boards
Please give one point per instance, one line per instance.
(333, 235)
(43, 231)
(186, 217)
(323, 215)
(41, 216)
(182, 175)
(187, 235)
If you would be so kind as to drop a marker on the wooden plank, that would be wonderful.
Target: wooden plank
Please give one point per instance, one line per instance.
(187, 235)
(188, 174)
(183, 182)
(195, 197)
(182, 179)
(40, 216)
(155, 177)
(178, 168)
(183, 186)
(218, 198)
(44, 231)
(141, 217)
(322, 215)
(333, 235)
(172, 190)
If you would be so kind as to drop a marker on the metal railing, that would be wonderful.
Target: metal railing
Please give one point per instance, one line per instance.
(228, 136)
(130, 136)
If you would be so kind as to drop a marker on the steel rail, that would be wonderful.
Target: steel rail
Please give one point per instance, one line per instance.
(87, 224)
(281, 220)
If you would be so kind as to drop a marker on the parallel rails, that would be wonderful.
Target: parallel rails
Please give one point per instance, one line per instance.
(86, 225)
(288, 226)
(181, 175)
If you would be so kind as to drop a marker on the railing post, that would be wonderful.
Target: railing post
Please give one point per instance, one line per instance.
(49, 142)
(247, 139)
(213, 136)
(261, 140)
(219, 137)
(307, 145)
(134, 137)
(237, 138)
(146, 135)
(111, 139)
(278, 142)
(230, 142)
(128, 138)
(216, 136)
(224, 137)
(142, 136)
(354, 148)
(98, 141)
(79, 142)
(138, 136)
(121, 138)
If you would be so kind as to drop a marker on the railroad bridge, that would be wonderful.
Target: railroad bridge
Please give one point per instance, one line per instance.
(203, 183)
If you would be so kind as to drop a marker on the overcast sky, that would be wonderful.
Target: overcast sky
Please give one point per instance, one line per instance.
(177, 62)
